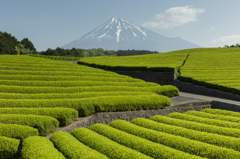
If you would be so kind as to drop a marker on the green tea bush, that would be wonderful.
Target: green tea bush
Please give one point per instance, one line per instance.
(44, 124)
(213, 139)
(17, 131)
(190, 117)
(65, 116)
(177, 142)
(75, 83)
(223, 118)
(197, 126)
(72, 148)
(137, 143)
(8, 147)
(88, 106)
(70, 95)
(39, 148)
(222, 112)
(162, 90)
(105, 145)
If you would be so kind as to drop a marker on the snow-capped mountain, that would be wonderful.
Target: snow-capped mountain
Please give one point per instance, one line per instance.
(122, 34)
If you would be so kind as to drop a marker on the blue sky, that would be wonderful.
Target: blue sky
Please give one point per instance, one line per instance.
(54, 23)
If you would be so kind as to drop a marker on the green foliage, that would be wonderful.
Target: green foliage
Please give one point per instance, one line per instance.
(65, 116)
(223, 112)
(8, 147)
(7, 43)
(222, 118)
(17, 131)
(213, 139)
(70, 95)
(191, 117)
(105, 145)
(142, 145)
(44, 124)
(88, 106)
(176, 142)
(39, 148)
(216, 68)
(28, 45)
(162, 62)
(197, 126)
(72, 148)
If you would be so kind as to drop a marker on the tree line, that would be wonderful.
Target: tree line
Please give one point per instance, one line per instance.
(237, 45)
(10, 45)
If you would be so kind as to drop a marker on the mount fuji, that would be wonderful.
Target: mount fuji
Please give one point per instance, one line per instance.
(122, 34)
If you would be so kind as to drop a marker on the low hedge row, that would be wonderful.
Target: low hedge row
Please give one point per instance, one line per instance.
(56, 57)
(17, 131)
(39, 148)
(88, 106)
(129, 68)
(65, 116)
(189, 117)
(70, 95)
(197, 126)
(223, 118)
(76, 83)
(177, 142)
(166, 90)
(61, 73)
(222, 112)
(68, 78)
(213, 139)
(105, 145)
(72, 148)
(137, 143)
(44, 124)
(8, 147)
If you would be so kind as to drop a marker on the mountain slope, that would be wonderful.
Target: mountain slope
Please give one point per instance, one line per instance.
(122, 34)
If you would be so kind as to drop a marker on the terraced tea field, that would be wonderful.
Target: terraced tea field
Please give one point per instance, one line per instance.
(38, 95)
(210, 133)
(217, 68)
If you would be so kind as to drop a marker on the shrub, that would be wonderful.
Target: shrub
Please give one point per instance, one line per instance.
(142, 145)
(105, 145)
(222, 112)
(203, 120)
(64, 115)
(72, 148)
(214, 139)
(8, 147)
(17, 131)
(44, 124)
(39, 148)
(197, 126)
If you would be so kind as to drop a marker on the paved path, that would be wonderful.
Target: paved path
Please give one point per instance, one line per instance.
(209, 98)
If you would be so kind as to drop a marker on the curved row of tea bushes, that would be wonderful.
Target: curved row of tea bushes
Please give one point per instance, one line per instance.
(197, 126)
(214, 116)
(88, 106)
(17, 131)
(57, 57)
(222, 112)
(67, 78)
(65, 116)
(142, 145)
(76, 83)
(166, 90)
(37, 147)
(213, 139)
(8, 147)
(44, 124)
(61, 73)
(105, 145)
(72, 148)
(189, 117)
(70, 95)
(177, 142)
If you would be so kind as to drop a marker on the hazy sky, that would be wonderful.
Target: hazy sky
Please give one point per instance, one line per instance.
(54, 23)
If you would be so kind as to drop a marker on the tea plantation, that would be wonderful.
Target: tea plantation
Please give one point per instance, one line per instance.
(210, 133)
